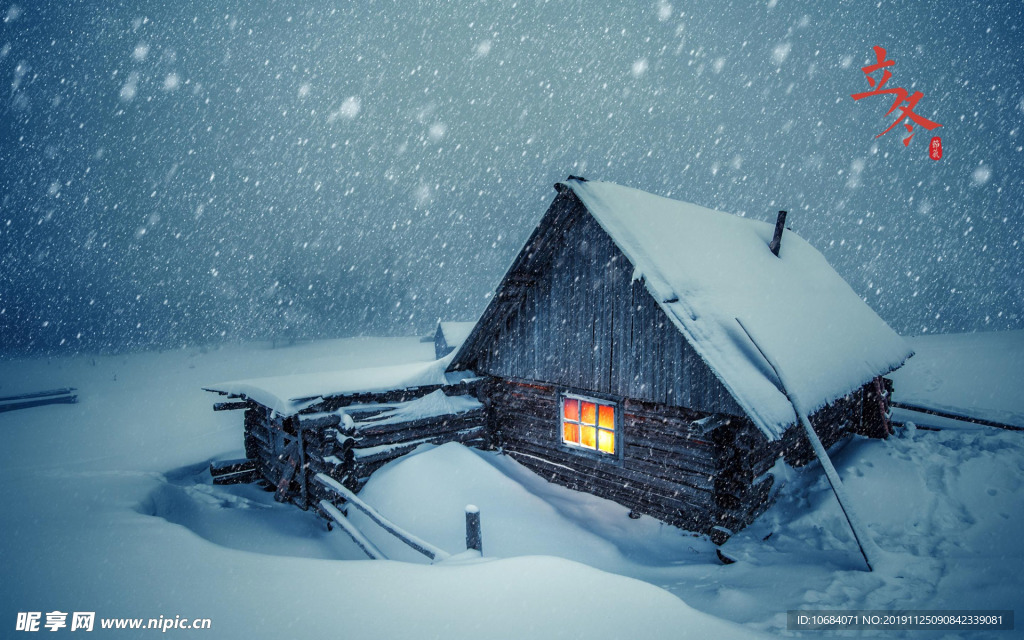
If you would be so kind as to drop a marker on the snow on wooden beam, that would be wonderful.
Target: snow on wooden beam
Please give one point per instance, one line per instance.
(39, 394)
(319, 421)
(357, 536)
(27, 404)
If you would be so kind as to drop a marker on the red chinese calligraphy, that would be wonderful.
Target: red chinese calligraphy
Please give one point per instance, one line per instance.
(904, 103)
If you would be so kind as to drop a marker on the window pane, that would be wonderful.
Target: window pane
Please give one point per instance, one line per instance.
(606, 417)
(572, 409)
(606, 440)
(589, 413)
(588, 437)
(571, 432)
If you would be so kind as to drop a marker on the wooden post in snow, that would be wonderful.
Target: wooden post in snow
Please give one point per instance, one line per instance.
(780, 226)
(473, 538)
(863, 541)
(304, 492)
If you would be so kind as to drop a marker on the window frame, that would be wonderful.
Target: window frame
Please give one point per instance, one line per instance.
(615, 457)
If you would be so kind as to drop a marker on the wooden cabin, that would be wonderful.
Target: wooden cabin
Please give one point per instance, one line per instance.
(613, 358)
(615, 362)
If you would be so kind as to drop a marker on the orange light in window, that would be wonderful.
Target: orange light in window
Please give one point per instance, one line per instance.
(572, 409)
(571, 432)
(589, 413)
(605, 440)
(606, 417)
(588, 437)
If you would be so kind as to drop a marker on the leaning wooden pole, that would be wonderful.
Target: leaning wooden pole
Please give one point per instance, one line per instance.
(867, 546)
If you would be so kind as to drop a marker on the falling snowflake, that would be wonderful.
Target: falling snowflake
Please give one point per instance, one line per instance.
(349, 109)
(130, 87)
(780, 53)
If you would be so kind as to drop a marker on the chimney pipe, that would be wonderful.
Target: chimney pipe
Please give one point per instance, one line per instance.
(776, 242)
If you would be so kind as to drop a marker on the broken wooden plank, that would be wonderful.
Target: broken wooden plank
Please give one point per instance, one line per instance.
(954, 416)
(14, 406)
(39, 394)
(239, 477)
(230, 406)
(231, 466)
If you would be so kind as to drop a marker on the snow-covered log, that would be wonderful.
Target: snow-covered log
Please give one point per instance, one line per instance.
(422, 546)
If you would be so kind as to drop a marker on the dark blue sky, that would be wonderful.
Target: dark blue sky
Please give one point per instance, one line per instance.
(182, 173)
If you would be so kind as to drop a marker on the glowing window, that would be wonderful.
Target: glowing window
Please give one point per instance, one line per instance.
(588, 424)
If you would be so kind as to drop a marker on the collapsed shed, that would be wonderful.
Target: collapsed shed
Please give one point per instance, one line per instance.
(346, 424)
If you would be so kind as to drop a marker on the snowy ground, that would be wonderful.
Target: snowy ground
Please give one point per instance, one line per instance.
(107, 507)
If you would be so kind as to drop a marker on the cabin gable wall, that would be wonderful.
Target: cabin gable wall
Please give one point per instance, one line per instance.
(582, 321)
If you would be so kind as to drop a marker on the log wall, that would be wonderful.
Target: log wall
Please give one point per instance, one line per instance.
(667, 464)
(691, 469)
(699, 471)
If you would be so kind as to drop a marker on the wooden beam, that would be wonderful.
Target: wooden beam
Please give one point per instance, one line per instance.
(319, 421)
(290, 465)
(302, 467)
(39, 394)
(427, 549)
(240, 477)
(868, 549)
(230, 406)
(14, 406)
(231, 466)
(357, 536)
(954, 416)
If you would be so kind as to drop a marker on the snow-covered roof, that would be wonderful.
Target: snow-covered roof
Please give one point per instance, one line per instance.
(290, 394)
(455, 333)
(706, 268)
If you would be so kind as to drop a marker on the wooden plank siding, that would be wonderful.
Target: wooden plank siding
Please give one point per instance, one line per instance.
(581, 320)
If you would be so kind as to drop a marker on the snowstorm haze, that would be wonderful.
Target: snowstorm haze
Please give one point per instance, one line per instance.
(188, 173)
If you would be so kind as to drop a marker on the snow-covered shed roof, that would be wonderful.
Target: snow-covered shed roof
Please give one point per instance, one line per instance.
(706, 269)
(455, 333)
(287, 395)
(450, 336)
